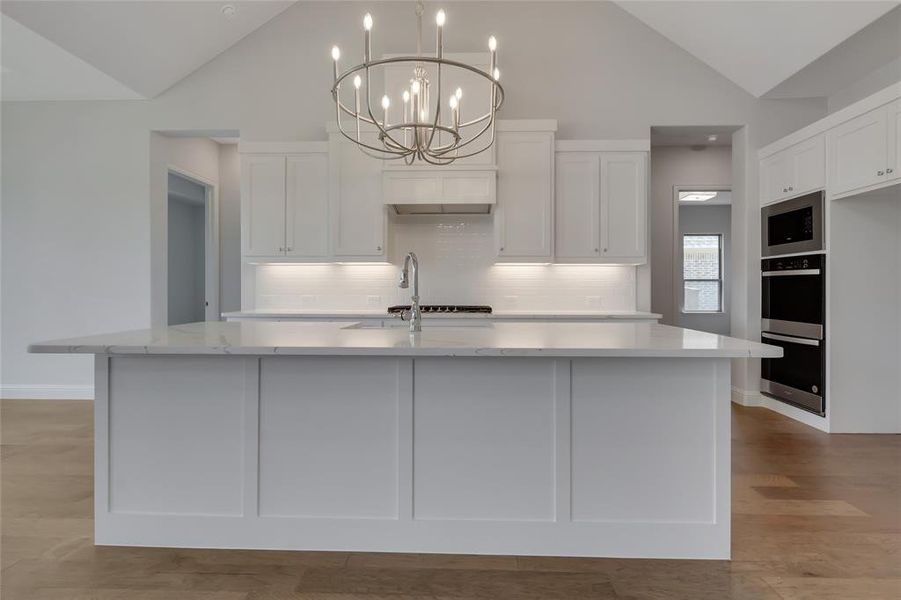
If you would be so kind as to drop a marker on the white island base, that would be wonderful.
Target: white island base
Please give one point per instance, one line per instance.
(531, 455)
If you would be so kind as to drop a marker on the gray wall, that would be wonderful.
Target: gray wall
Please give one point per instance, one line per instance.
(78, 220)
(709, 219)
(673, 166)
(229, 228)
(186, 289)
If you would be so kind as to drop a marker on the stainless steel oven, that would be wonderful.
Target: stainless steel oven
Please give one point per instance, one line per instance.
(792, 226)
(793, 308)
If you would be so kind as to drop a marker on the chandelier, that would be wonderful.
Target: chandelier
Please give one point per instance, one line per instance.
(420, 130)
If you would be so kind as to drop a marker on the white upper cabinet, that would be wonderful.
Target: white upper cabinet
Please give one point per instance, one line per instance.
(578, 202)
(859, 152)
(284, 205)
(263, 205)
(601, 207)
(623, 206)
(794, 171)
(307, 205)
(358, 221)
(525, 196)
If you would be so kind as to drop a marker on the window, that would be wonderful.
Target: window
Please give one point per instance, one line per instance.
(702, 273)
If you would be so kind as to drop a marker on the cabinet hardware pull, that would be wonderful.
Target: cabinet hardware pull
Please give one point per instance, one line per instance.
(596, 250)
(890, 170)
(289, 248)
(880, 173)
(791, 189)
(784, 190)
(379, 248)
(281, 249)
(501, 248)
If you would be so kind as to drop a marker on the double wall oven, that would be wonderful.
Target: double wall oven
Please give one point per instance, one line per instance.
(793, 302)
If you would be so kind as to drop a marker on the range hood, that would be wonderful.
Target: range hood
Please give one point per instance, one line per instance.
(442, 190)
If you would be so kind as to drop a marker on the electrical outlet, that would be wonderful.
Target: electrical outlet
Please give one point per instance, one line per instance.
(373, 301)
(593, 302)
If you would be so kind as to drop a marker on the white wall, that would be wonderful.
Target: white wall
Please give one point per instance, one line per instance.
(677, 166)
(709, 219)
(77, 189)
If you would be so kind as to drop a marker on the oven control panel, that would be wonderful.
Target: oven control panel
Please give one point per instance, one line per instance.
(794, 263)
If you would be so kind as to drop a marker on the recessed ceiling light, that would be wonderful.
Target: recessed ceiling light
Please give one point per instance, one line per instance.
(229, 11)
(696, 196)
(712, 137)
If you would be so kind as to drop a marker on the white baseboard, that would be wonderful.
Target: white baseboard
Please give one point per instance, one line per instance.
(47, 392)
(745, 397)
(752, 398)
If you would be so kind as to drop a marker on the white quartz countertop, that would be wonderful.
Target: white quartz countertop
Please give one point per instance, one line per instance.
(498, 315)
(265, 338)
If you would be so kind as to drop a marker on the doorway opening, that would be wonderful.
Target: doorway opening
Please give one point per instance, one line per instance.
(192, 249)
(702, 232)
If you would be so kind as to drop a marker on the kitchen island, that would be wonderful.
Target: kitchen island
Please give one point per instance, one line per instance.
(574, 439)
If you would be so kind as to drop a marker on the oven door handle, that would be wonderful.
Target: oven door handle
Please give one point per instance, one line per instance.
(790, 339)
(794, 272)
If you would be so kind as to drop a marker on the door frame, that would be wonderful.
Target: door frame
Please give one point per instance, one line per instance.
(211, 239)
(677, 246)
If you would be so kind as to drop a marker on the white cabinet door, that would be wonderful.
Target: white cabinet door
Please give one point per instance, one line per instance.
(525, 194)
(774, 178)
(893, 165)
(263, 205)
(807, 162)
(357, 211)
(859, 150)
(623, 206)
(577, 205)
(307, 205)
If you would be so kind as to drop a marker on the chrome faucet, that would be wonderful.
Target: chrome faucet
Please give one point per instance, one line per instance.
(415, 313)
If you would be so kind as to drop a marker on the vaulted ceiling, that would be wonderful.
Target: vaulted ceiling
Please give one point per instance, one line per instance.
(144, 46)
(88, 49)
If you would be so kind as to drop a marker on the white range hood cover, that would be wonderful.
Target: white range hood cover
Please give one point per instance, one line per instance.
(443, 190)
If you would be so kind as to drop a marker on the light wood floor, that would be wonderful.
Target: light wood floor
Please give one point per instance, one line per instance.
(814, 517)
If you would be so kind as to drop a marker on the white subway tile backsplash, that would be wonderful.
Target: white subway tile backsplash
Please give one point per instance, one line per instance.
(457, 266)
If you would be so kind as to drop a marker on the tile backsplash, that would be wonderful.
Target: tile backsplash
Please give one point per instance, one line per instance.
(457, 266)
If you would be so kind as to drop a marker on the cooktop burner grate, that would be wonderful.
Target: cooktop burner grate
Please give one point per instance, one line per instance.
(443, 308)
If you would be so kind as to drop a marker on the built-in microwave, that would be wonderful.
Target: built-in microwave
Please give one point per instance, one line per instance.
(792, 226)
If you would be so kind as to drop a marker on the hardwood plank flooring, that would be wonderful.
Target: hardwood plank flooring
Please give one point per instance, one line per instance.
(814, 516)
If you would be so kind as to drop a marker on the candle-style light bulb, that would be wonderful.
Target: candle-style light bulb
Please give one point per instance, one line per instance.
(492, 46)
(406, 96)
(455, 111)
(367, 37)
(439, 41)
(357, 82)
(453, 102)
(336, 54)
(459, 93)
(386, 102)
(497, 74)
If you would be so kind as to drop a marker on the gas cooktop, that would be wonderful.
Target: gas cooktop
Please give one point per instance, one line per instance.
(443, 308)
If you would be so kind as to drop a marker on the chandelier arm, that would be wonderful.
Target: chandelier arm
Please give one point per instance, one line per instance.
(488, 125)
(437, 111)
(364, 145)
(383, 133)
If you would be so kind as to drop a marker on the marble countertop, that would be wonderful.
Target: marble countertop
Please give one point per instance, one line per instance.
(519, 315)
(266, 338)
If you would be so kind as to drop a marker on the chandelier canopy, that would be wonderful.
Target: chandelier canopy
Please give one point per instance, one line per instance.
(420, 130)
